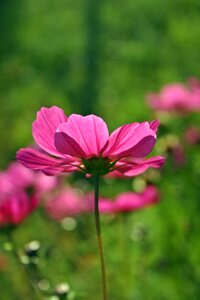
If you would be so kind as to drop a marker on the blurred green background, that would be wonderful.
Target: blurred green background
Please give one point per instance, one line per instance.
(103, 57)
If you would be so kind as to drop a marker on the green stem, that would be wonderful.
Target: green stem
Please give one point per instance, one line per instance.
(99, 238)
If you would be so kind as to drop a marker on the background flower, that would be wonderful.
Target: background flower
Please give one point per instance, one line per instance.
(16, 207)
(66, 203)
(130, 201)
(21, 190)
(177, 97)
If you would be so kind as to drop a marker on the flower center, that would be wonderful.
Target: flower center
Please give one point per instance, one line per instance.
(98, 165)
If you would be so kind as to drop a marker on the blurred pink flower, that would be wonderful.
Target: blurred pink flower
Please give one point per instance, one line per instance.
(70, 203)
(178, 155)
(67, 203)
(177, 97)
(18, 177)
(194, 83)
(15, 208)
(20, 192)
(130, 201)
(192, 135)
(83, 143)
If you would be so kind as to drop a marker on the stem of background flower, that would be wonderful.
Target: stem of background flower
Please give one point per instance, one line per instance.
(18, 260)
(99, 238)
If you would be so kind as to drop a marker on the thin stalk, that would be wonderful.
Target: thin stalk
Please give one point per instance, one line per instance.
(99, 238)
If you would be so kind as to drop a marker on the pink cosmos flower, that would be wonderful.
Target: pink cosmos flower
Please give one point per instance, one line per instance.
(177, 97)
(67, 203)
(18, 177)
(192, 135)
(178, 155)
(130, 201)
(83, 143)
(70, 203)
(15, 208)
(20, 192)
(194, 83)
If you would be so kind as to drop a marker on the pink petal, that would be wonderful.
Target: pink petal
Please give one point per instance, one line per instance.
(176, 97)
(127, 171)
(134, 167)
(15, 208)
(44, 128)
(67, 145)
(154, 162)
(6, 184)
(192, 135)
(44, 183)
(155, 102)
(143, 148)
(82, 136)
(154, 125)
(20, 176)
(19, 208)
(66, 204)
(136, 139)
(34, 159)
(106, 206)
(194, 84)
(9, 210)
(131, 201)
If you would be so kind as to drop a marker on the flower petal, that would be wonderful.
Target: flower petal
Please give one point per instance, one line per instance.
(67, 145)
(82, 136)
(174, 97)
(15, 208)
(66, 204)
(154, 162)
(34, 159)
(154, 125)
(134, 167)
(136, 139)
(143, 148)
(45, 125)
(106, 206)
(20, 176)
(130, 201)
